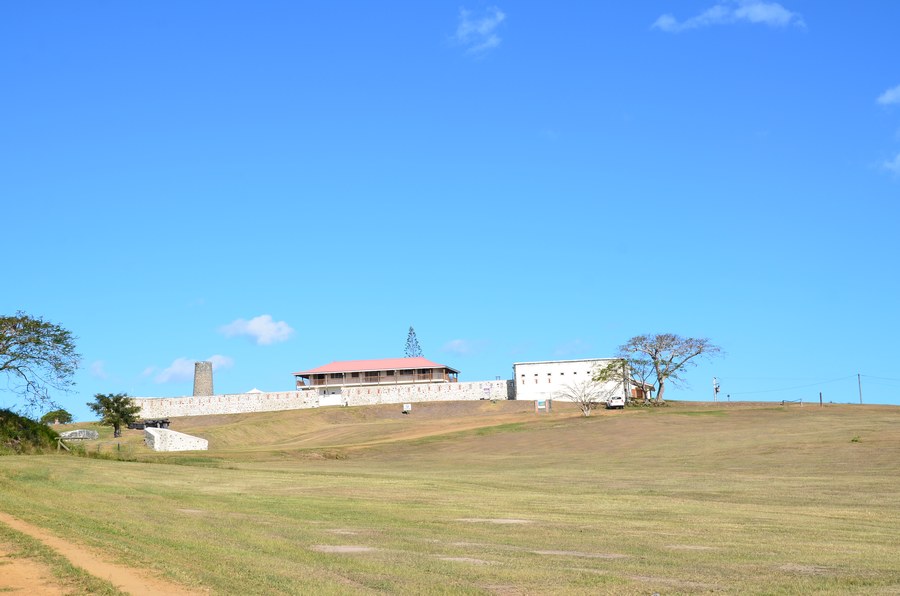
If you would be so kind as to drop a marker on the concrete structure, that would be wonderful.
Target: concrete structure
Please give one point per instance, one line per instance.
(163, 439)
(546, 379)
(81, 433)
(203, 378)
(163, 407)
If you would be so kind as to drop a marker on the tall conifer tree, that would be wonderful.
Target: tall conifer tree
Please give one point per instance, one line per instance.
(413, 349)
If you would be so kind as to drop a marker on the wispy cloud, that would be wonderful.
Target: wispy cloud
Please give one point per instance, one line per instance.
(757, 12)
(891, 96)
(262, 329)
(477, 33)
(182, 369)
(98, 369)
(892, 165)
(463, 347)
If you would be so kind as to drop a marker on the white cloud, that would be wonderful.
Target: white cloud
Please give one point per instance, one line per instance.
(262, 328)
(98, 369)
(478, 33)
(460, 347)
(757, 12)
(890, 96)
(220, 362)
(182, 369)
(892, 165)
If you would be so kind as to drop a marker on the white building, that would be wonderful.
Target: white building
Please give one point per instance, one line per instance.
(545, 380)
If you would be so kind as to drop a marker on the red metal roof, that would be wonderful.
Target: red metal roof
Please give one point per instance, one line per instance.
(369, 365)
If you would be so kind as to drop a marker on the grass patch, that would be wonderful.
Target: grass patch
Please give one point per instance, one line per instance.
(73, 579)
(19, 434)
(494, 501)
(717, 413)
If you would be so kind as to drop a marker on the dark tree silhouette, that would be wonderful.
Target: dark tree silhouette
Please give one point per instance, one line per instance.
(413, 349)
(115, 410)
(36, 356)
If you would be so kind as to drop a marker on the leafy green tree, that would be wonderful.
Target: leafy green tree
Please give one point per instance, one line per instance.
(115, 409)
(667, 356)
(412, 344)
(60, 416)
(36, 356)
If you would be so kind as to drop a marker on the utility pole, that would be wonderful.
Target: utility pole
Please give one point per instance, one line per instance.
(859, 382)
(625, 378)
(715, 389)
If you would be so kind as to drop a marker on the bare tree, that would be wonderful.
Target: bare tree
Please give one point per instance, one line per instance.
(587, 394)
(666, 355)
(36, 356)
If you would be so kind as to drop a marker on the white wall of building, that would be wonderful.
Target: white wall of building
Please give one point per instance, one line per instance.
(545, 380)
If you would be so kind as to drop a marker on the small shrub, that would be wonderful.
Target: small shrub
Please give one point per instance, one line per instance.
(855, 439)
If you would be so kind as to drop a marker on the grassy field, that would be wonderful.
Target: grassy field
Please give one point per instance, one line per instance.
(488, 498)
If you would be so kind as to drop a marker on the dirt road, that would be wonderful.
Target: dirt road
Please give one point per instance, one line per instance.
(30, 577)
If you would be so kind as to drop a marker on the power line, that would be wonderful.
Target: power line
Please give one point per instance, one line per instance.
(881, 378)
(795, 387)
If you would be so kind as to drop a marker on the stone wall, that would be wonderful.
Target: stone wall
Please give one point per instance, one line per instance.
(164, 407)
(163, 439)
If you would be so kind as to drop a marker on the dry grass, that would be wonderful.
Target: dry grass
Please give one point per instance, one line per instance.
(489, 498)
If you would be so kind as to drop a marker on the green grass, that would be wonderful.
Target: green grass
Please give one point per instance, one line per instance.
(490, 498)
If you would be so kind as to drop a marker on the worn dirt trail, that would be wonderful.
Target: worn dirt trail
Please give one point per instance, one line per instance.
(127, 579)
(23, 576)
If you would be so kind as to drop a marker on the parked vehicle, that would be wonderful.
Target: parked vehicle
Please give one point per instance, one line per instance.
(615, 402)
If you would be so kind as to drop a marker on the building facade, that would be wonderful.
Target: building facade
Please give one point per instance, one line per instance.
(548, 379)
(332, 379)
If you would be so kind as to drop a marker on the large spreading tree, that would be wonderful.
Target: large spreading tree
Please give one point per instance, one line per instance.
(36, 356)
(115, 410)
(666, 355)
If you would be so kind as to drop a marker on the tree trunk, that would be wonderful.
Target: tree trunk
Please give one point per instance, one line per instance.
(659, 394)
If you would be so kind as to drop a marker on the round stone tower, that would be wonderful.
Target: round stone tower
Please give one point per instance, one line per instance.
(203, 378)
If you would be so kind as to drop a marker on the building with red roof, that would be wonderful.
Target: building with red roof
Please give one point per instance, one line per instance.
(385, 371)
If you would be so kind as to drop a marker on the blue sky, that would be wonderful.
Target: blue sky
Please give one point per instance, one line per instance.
(276, 185)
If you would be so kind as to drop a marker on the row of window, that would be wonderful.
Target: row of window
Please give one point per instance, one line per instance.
(550, 375)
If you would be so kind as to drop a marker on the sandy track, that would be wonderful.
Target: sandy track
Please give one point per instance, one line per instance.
(24, 576)
(127, 579)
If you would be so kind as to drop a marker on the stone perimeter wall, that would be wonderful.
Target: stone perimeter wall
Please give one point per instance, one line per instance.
(241, 403)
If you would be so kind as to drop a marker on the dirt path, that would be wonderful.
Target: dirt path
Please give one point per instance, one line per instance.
(127, 579)
(24, 576)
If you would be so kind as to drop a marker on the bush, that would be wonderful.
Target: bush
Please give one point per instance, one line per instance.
(61, 416)
(19, 434)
